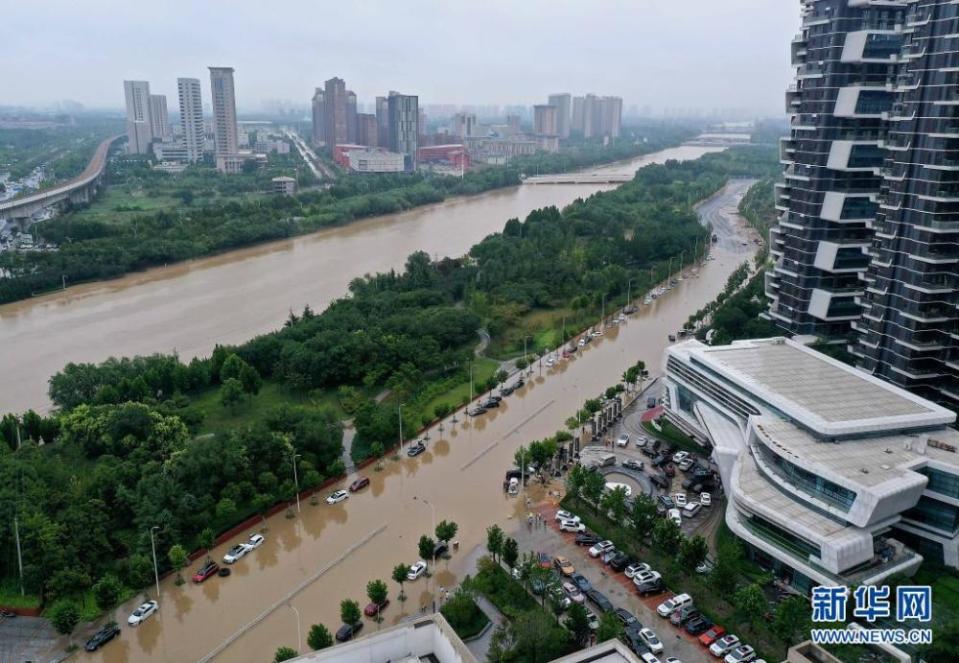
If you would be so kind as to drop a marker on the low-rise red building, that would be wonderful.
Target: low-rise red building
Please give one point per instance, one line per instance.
(341, 154)
(454, 154)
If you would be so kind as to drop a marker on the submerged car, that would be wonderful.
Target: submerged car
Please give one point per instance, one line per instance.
(337, 496)
(416, 449)
(235, 553)
(206, 571)
(142, 613)
(102, 637)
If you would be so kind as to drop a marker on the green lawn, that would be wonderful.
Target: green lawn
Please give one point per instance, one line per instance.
(10, 595)
(118, 205)
(673, 435)
(545, 327)
(483, 369)
(218, 418)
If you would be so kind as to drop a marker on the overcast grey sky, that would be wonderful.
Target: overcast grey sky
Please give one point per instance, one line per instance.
(662, 53)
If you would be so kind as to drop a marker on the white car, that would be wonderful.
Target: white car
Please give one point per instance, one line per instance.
(141, 614)
(597, 333)
(639, 567)
(643, 577)
(741, 654)
(566, 515)
(649, 637)
(416, 570)
(255, 541)
(680, 456)
(675, 516)
(724, 645)
(679, 499)
(550, 361)
(571, 526)
(572, 591)
(582, 343)
(672, 659)
(646, 657)
(592, 620)
(705, 499)
(622, 440)
(640, 442)
(600, 548)
(234, 554)
(669, 606)
(337, 496)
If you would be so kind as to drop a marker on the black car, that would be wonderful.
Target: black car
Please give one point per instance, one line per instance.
(629, 620)
(440, 549)
(631, 464)
(659, 480)
(620, 561)
(698, 625)
(581, 582)
(635, 642)
(476, 411)
(507, 390)
(103, 636)
(599, 599)
(348, 631)
(416, 449)
(651, 402)
(587, 539)
(491, 402)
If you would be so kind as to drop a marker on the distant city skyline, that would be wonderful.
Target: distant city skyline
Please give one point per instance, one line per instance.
(694, 55)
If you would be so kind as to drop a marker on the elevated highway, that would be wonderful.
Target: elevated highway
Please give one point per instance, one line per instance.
(80, 189)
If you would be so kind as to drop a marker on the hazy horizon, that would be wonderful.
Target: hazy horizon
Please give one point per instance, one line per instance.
(699, 54)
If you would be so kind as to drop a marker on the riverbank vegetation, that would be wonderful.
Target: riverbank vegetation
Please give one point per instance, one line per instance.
(64, 147)
(130, 447)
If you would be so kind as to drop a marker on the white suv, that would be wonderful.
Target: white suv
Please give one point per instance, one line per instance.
(600, 548)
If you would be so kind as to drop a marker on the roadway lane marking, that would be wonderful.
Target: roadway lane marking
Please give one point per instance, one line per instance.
(515, 430)
(289, 596)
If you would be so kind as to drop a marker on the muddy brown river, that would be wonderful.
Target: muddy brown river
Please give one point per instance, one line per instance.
(189, 307)
(328, 553)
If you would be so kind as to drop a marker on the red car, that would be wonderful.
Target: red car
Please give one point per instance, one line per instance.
(372, 609)
(359, 484)
(712, 635)
(206, 571)
(545, 561)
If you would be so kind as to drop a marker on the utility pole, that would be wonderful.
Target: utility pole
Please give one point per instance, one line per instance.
(156, 572)
(296, 482)
(16, 535)
(629, 286)
(400, 415)
(471, 382)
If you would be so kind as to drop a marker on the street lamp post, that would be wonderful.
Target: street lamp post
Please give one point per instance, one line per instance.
(296, 482)
(156, 572)
(299, 632)
(433, 510)
(629, 289)
(400, 416)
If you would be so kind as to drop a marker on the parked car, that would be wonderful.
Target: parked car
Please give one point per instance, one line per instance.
(557, 594)
(625, 616)
(416, 449)
(507, 390)
(490, 403)
(635, 568)
(564, 566)
(704, 567)
(373, 609)
(635, 642)
(359, 484)
(705, 499)
(337, 496)
(592, 619)
(631, 464)
(255, 541)
(573, 592)
(142, 613)
(724, 645)
(103, 636)
(683, 615)
(348, 631)
(641, 442)
(651, 640)
(667, 607)
(648, 657)
(585, 538)
(691, 509)
(580, 581)
(659, 480)
(600, 600)
(235, 553)
(675, 516)
(571, 526)
(206, 571)
(669, 470)
(680, 456)
(679, 499)
(697, 625)
(544, 560)
(622, 440)
(608, 556)
(620, 561)
(685, 464)
(418, 569)
(714, 633)
(651, 585)
(650, 402)
(566, 515)
(600, 548)
(476, 411)
(741, 654)
(440, 549)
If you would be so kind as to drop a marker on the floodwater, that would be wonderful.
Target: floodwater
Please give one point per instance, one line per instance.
(311, 562)
(190, 307)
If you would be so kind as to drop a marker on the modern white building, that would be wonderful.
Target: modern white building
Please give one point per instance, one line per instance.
(376, 161)
(139, 126)
(832, 475)
(225, 133)
(191, 118)
(159, 119)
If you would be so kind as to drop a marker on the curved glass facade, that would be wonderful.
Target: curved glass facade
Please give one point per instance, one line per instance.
(805, 481)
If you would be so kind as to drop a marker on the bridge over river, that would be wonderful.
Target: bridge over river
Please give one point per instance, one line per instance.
(591, 177)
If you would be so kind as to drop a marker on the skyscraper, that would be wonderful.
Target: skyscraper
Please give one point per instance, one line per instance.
(336, 122)
(351, 116)
(139, 130)
(191, 117)
(545, 122)
(464, 125)
(576, 123)
(225, 138)
(383, 121)
(608, 116)
(159, 118)
(589, 115)
(844, 57)
(366, 130)
(562, 103)
(319, 117)
(404, 126)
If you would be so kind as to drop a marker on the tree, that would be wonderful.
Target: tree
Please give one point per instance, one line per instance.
(593, 487)
(207, 540)
(250, 380)
(494, 541)
(945, 643)
(376, 592)
(724, 574)
(426, 547)
(400, 571)
(319, 637)
(642, 516)
(231, 367)
(106, 592)
(64, 615)
(576, 480)
(667, 535)
(377, 450)
(750, 603)
(792, 618)
(350, 612)
(614, 503)
(231, 392)
(178, 560)
(577, 622)
(284, 654)
(693, 551)
(510, 552)
(609, 627)
(446, 530)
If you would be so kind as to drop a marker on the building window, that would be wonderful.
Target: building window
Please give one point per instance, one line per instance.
(782, 539)
(812, 484)
(941, 482)
(935, 515)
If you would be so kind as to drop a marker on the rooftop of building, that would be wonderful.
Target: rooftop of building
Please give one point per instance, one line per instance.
(820, 392)
(283, 178)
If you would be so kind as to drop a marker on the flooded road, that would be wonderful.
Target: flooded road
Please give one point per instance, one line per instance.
(189, 307)
(329, 553)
